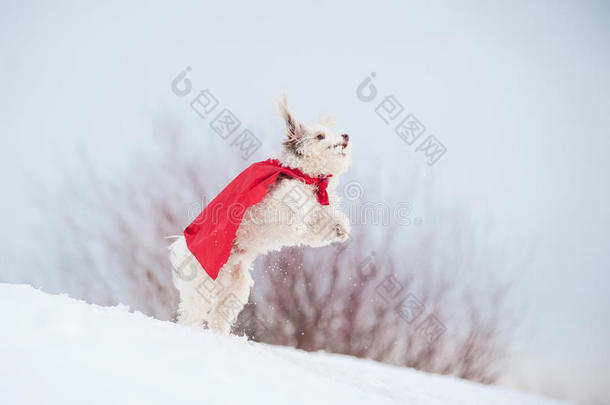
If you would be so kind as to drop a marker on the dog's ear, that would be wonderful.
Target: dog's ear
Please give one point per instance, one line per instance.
(327, 121)
(294, 129)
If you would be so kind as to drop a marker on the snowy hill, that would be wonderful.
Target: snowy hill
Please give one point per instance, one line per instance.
(56, 350)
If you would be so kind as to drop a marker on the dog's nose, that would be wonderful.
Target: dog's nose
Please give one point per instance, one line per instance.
(345, 137)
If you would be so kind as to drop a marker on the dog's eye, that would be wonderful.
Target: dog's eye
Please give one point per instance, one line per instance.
(319, 137)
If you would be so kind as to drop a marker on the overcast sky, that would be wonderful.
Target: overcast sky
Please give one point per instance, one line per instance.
(519, 95)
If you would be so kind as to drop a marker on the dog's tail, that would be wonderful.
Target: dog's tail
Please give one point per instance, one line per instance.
(178, 251)
(184, 264)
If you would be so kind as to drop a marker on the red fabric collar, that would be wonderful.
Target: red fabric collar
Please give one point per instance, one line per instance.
(321, 182)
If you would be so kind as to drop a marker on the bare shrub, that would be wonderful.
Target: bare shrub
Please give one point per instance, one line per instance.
(113, 234)
(371, 300)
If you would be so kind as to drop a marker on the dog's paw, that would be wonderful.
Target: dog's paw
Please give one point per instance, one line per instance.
(342, 232)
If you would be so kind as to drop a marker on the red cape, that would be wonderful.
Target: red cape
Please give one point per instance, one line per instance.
(210, 236)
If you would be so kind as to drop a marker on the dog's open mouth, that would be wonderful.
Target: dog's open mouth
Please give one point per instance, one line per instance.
(341, 145)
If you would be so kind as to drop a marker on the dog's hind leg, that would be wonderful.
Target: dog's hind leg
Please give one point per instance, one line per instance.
(197, 298)
(237, 281)
(197, 290)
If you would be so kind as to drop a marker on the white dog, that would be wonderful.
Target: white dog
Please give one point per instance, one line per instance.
(288, 215)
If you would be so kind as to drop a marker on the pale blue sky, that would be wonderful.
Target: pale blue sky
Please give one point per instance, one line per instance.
(519, 94)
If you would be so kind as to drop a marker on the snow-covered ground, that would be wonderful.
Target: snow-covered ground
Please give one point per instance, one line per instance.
(57, 350)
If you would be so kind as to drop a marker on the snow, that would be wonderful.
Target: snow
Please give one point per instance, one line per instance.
(57, 350)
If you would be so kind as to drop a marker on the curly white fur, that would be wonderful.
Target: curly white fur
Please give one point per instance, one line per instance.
(288, 215)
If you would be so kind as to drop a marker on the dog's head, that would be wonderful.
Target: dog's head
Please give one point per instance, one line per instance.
(314, 148)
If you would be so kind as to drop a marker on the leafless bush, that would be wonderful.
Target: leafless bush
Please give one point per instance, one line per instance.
(112, 234)
(342, 299)
(368, 300)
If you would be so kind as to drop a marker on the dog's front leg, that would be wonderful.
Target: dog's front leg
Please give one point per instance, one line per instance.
(326, 225)
(314, 224)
